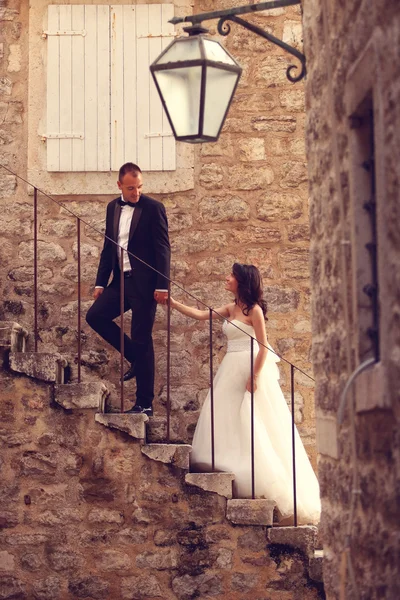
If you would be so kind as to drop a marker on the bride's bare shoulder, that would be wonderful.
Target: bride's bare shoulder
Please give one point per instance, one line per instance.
(256, 312)
(231, 309)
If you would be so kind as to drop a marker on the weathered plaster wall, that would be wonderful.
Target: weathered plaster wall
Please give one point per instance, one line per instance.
(85, 515)
(337, 36)
(249, 203)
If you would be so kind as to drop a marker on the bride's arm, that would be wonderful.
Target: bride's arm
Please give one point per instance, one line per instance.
(200, 315)
(258, 323)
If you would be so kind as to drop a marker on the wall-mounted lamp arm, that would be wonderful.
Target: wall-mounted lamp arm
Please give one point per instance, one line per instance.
(231, 14)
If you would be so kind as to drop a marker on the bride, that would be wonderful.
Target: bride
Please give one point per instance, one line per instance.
(245, 318)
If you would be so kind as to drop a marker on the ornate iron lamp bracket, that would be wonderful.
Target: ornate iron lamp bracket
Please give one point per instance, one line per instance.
(232, 15)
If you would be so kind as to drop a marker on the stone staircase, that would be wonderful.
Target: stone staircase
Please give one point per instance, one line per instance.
(51, 368)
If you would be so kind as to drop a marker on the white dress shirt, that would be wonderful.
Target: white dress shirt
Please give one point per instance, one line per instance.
(123, 233)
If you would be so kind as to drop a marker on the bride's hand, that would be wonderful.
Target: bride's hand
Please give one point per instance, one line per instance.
(248, 384)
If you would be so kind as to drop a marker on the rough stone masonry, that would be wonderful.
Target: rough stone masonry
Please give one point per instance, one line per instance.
(248, 204)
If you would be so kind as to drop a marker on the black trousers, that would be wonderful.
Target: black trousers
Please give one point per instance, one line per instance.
(138, 348)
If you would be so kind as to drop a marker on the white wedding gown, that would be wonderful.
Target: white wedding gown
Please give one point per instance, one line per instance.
(272, 432)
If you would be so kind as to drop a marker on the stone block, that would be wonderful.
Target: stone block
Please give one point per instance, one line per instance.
(316, 563)
(197, 586)
(63, 559)
(161, 560)
(249, 178)
(174, 454)
(144, 586)
(47, 589)
(5, 86)
(278, 206)
(89, 587)
(243, 582)
(7, 562)
(105, 515)
(14, 58)
(112, 560)
(164, 537)
(8, 519)
(8, 14)
(92, 394)
(11, 440)
(224, 558)
(133, 424)
(219, 483)
(48, 252)
(275, 123)
(255, 540)
(8, 184)
(302, 538)
(12, 588)
(43, 366)
(250, 512)
(280, 299)
(228, 208)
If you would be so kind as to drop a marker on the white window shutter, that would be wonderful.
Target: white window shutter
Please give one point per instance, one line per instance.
(102, 106)
(123, 86)
(140, 131)
(78, 97)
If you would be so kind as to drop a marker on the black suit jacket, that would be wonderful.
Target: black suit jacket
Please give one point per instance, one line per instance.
(148, 241)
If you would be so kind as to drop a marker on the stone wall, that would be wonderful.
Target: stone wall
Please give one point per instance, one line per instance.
(85, 515)
(351, 48)
(249, 204)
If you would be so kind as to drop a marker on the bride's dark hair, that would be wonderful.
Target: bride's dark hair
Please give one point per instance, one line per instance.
(249, 290)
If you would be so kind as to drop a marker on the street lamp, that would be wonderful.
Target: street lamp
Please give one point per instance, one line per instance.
(196, 79)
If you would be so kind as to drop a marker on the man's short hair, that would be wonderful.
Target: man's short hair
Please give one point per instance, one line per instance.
(128, 167)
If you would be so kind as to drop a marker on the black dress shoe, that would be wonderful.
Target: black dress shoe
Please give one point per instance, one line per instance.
(137, 409)
(131, 373)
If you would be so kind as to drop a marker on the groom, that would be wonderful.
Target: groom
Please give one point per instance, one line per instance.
(138, 224)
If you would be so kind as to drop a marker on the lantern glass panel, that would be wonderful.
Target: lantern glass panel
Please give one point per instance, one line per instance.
(214, 51)
(220, 85)
(180, 89)
(181, 50)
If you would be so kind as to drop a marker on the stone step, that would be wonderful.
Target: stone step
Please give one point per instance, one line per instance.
(315, 568)
(133, 424)
(174, 454)
(220, 483)
(90, 394)
(302, 538)
(250, 512)
(40, 365)
(13, 336)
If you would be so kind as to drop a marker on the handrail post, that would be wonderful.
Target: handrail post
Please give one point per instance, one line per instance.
(253, 487)
(35, 268)
(212, 395)
(169, 364)
(122, 306)
(293, 445)
(78, 235)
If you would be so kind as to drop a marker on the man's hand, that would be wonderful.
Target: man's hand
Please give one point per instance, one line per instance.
(161, 297)
(97, 292)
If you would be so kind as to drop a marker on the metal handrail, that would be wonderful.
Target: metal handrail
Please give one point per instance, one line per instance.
(212, 313)
(171, 281)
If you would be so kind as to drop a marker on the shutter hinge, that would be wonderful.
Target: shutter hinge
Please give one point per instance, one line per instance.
(61, 136)
(45, 34)
(156, 35)
(156, 135)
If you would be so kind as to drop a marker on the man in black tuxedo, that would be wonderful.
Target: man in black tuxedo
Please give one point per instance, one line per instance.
(138, 224)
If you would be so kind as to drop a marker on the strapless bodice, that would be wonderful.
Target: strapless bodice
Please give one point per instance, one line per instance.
(239, 337)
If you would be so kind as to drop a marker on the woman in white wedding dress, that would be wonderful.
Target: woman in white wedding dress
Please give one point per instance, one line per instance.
(245, 317)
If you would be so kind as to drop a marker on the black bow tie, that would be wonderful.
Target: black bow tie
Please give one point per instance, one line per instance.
(123, 203)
